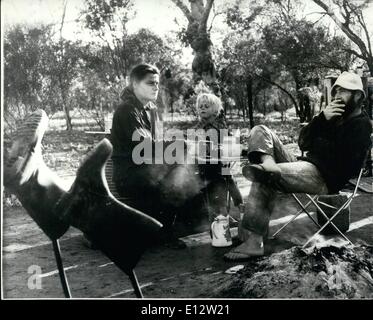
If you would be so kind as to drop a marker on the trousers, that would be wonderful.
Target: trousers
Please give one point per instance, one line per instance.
(296, 177)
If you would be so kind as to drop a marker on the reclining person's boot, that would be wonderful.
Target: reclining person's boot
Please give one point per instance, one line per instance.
(27, 176)
(263, 173)
(119, 231)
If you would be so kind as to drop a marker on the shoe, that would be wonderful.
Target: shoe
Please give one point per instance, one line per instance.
(27, 176)
(25, 151)
(262, 173)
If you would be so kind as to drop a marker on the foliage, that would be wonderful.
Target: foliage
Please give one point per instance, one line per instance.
(38, 70)
(350, 18)
(271, 57)
(49, 72)
(283, 53)
(304, 49)
(107, 22)
(24, 69)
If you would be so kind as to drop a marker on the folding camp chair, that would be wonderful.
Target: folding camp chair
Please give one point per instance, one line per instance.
(314, 199)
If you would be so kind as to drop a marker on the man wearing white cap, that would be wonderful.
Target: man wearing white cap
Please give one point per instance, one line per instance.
(335, 141)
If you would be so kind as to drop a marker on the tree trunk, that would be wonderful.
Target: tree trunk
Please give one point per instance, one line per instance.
(172, 107)
(66, 108)
(370, 66)
(225, 102)
(301, 99)
(69, 125)
(241, 106)
(249, 89)
(203, 66)
(198, 37)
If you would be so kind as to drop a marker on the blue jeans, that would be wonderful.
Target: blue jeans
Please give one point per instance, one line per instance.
(296, 177)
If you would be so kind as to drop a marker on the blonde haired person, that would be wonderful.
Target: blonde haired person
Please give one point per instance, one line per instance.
(209, 107)
(211, 116)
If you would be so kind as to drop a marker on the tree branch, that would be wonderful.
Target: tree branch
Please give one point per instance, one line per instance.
(63, 18)
(345, 27)
(323, 14)
(355, 53)
(213, 18)
(183, 8)
(361, 19)
(206, 12)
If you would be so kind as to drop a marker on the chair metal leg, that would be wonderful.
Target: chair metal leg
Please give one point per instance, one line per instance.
(228, 201)
(61, 271)
(303, 209)
(329, 220)
(135, 284)
(287, 223)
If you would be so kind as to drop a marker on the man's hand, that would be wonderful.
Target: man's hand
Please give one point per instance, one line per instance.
(334, 109)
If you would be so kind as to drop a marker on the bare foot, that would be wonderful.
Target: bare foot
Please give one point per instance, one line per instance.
(250, 248)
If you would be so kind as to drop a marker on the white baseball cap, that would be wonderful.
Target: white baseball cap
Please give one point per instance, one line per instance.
(349, 81)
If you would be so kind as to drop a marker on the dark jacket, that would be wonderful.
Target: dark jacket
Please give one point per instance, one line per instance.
(338, 149)
(131, 116)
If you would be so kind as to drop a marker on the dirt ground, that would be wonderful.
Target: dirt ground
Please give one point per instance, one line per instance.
(198, 271)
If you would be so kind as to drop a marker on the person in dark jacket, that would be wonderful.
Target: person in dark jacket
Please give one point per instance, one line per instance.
(146, 181)
(336, 143)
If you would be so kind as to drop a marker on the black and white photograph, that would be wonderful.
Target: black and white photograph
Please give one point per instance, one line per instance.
(205, 151)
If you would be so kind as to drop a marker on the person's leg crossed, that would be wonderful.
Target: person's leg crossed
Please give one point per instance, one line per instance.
(296, 177)
(263, 140)
(301, 177)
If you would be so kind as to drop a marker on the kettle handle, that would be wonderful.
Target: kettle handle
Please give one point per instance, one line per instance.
(212, 229)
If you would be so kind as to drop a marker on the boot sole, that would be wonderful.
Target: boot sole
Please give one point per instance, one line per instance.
(260, 175)
(28, 138)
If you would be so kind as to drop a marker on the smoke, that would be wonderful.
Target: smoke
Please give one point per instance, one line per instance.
(178, 183)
